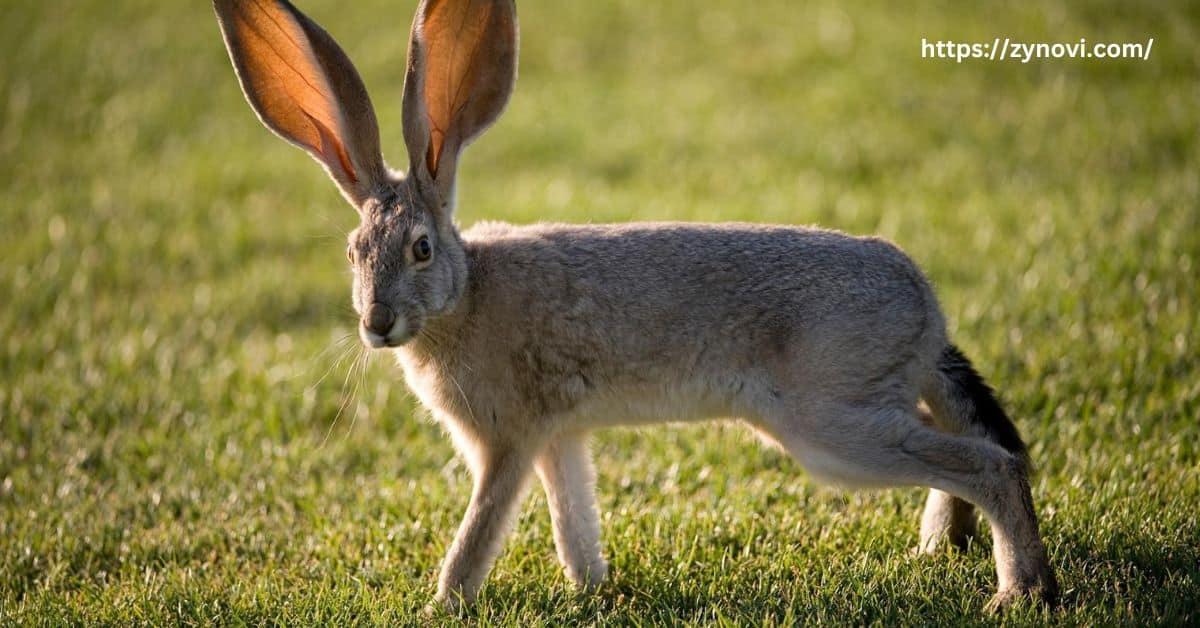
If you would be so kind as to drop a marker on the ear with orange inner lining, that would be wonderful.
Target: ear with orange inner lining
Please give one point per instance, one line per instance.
(462, 64)
(304, 88)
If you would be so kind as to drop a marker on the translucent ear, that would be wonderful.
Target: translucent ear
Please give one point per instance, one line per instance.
(304, 88)
(462, 63)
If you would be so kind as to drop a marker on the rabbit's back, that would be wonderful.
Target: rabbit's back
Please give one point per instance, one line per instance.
(693, 279)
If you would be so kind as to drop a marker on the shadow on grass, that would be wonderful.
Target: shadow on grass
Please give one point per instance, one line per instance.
(1134, 575)
(1131, 579)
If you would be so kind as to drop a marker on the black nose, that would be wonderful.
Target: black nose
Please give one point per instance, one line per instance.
(379, 319)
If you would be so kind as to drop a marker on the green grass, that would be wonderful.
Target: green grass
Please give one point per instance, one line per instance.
(174, 288)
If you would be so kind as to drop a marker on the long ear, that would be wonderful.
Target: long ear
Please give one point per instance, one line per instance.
(304, 88)
(462, 63)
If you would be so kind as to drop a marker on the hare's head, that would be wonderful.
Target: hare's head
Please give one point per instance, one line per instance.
(407, 257)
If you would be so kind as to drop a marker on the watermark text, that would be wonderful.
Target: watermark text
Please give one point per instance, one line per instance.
(1005, 49)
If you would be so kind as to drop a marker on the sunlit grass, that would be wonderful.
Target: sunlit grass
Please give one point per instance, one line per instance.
(185, 437)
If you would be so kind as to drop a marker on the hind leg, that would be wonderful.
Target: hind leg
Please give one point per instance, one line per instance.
(888, 446)
(946, 518)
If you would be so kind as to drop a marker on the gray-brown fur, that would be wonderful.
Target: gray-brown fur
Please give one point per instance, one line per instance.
(521, 340)
(558, 312)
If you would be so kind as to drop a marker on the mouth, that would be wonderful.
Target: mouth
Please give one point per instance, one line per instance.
(394, 338)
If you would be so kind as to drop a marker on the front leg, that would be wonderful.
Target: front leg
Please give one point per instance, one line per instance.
(499, 482)
(565, 468)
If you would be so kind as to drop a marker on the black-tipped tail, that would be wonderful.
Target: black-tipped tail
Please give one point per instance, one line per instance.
(978, 401)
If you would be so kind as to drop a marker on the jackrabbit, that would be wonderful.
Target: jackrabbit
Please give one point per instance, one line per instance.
(522, 339)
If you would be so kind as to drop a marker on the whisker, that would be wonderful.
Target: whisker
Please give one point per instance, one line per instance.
(425, 334)
(462, 392)
(339, 345)
(324, 236)
(345, 400)
(345, 353)
(336, 230)
(362, 376)
(335, 344)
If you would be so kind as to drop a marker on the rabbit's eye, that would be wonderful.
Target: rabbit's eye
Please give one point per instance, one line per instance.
(422, 249)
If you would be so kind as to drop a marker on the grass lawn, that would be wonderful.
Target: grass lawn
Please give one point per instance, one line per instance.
(189, 434)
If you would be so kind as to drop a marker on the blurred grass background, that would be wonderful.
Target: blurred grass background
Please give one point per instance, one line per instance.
(174, 294)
